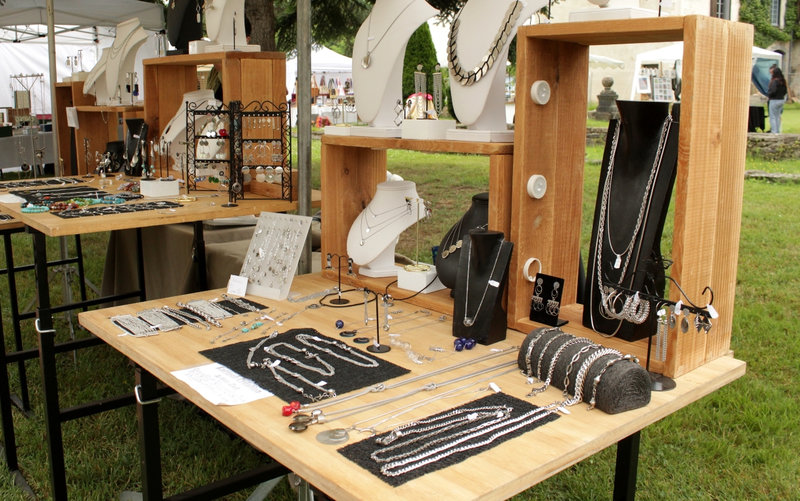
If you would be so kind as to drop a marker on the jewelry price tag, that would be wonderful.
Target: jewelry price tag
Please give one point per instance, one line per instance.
(546, 300)
(237, 285)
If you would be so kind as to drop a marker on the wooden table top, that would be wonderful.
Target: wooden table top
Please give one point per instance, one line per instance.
(505, 470)
(207, 206)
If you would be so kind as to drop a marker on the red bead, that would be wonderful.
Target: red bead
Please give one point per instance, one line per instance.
(295, 405)
(287, 410)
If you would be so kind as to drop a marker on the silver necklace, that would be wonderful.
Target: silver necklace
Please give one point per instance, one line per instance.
(645, 196)
(580, 378)
(607, 292)
(326, 369)
(491, 282)
(310, 340)
(466, 442)
(274, 367)
(472, 76)
(366, 61)
(367, 230)
(553, 362)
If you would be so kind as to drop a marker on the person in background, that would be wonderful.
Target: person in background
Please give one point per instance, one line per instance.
(776, 93)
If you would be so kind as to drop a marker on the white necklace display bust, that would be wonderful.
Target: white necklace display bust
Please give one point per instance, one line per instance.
(373, 236)
(481, 23)
(225, 26)
(107, 79)
(378, 52)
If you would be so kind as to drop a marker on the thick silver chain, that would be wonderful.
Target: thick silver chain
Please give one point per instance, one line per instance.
(597, 378)
(580, 378)
(553, 361)
(326, 369)
(366, 361)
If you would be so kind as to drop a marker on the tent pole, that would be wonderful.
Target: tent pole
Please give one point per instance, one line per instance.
(51, 46)
(304, 120)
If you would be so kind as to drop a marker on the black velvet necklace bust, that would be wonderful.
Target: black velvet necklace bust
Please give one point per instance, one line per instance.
(642, 172)
(182, 23)
(481, 278)
(477, 216)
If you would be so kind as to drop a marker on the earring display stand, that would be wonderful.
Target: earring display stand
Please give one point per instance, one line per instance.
(271, 259)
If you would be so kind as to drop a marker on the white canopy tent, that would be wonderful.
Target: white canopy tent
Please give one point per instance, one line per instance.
(674, 53)
(323, 62)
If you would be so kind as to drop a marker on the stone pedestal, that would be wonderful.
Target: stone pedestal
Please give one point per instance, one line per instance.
(607, 102)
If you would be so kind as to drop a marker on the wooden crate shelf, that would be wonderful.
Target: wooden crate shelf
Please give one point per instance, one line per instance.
(351, 169)
(550, 141)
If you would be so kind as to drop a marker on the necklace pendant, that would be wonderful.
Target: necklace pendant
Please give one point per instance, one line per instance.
(362, 243)
(366, 61)
(468, 321)
(618, 262)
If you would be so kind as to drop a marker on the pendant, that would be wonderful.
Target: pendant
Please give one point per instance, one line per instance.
(618, 262)
(333, 437)
(468, 322)
(366, 61)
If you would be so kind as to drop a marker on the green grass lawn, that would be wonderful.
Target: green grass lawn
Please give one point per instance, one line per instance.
(739, 443)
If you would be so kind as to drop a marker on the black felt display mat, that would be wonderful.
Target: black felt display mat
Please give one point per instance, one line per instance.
(348, 377)
(359, 452)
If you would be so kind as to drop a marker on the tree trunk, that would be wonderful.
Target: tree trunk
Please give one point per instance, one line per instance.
(261, 14)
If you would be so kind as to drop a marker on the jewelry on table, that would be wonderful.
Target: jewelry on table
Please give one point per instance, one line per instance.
(368, 230)
(529, 351)
(158, 319)
(553, 361)
(381, 387)
(274, 367)
(240, 303)
(200, 313)
(210, 308)
(469, 77)
(573, 360)
(598, 377)
(192, 321)
(311, 340)
(317, 416)
(580, 378)
(134, 326)
(326, 369)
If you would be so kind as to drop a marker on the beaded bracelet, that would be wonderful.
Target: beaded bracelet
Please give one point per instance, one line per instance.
(31, 208)
(110, 199)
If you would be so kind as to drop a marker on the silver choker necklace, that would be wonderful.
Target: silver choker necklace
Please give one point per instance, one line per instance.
(467, 78)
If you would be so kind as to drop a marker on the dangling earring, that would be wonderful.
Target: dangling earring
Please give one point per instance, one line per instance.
(537, 300)
(553, 305)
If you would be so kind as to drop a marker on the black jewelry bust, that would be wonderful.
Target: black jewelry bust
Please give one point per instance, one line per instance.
(477, 216)
(481, 278)
(183, 25)
(632, 208)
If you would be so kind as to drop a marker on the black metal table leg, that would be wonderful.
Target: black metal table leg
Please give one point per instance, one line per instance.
(200, 255)
(47, 362)
(9, 440)
(627, 464)
(140, 265)
(25, 402)
(149, 436)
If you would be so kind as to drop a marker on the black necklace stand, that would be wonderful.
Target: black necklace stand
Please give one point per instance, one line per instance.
(482, 275)
(476, 216)
(642, 123)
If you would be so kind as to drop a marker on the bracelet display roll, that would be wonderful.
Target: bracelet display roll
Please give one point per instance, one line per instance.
(608, 380)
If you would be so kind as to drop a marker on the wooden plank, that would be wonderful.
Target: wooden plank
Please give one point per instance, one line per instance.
(731, 185)
(433, 146)
(617, 31)
(548, 228)
(501, 179)
(537, 455)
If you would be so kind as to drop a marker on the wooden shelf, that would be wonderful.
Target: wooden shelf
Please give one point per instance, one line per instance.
(710, 175)
(352, 167)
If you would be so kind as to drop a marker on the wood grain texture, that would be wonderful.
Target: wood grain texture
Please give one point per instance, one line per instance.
(708, 188)
(504, 470)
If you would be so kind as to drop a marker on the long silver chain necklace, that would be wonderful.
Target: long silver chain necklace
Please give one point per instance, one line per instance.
(494, 430)
(472, 76)
(606, 202)
(491, 282)
(367, 230)
(359, 359)
(607, 293)
(326, 369)
(366, 61)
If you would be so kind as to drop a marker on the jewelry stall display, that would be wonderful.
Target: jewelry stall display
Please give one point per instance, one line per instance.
(636, 180)
(118, 209)
(592, 373)
(446, 438)
(30, 183)
(244, 149)
(303, 365)
(271, 259)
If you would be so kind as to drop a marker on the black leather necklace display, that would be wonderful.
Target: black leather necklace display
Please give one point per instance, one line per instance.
(636, 180)
(482, 274)
(476, 217)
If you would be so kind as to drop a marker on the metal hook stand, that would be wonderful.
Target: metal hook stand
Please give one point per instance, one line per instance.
(339, 300)
(377, 347)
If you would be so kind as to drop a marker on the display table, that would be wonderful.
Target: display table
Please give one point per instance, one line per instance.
(43, 225)
(498, 473)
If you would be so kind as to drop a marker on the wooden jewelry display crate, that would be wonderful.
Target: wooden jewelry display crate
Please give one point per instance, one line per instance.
(550, 141)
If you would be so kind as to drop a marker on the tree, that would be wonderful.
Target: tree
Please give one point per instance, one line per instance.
(419, 51)
(757, 13)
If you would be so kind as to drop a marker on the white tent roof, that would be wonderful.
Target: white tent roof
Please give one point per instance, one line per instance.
(82, 12)
(323, 60)
(674, 52)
